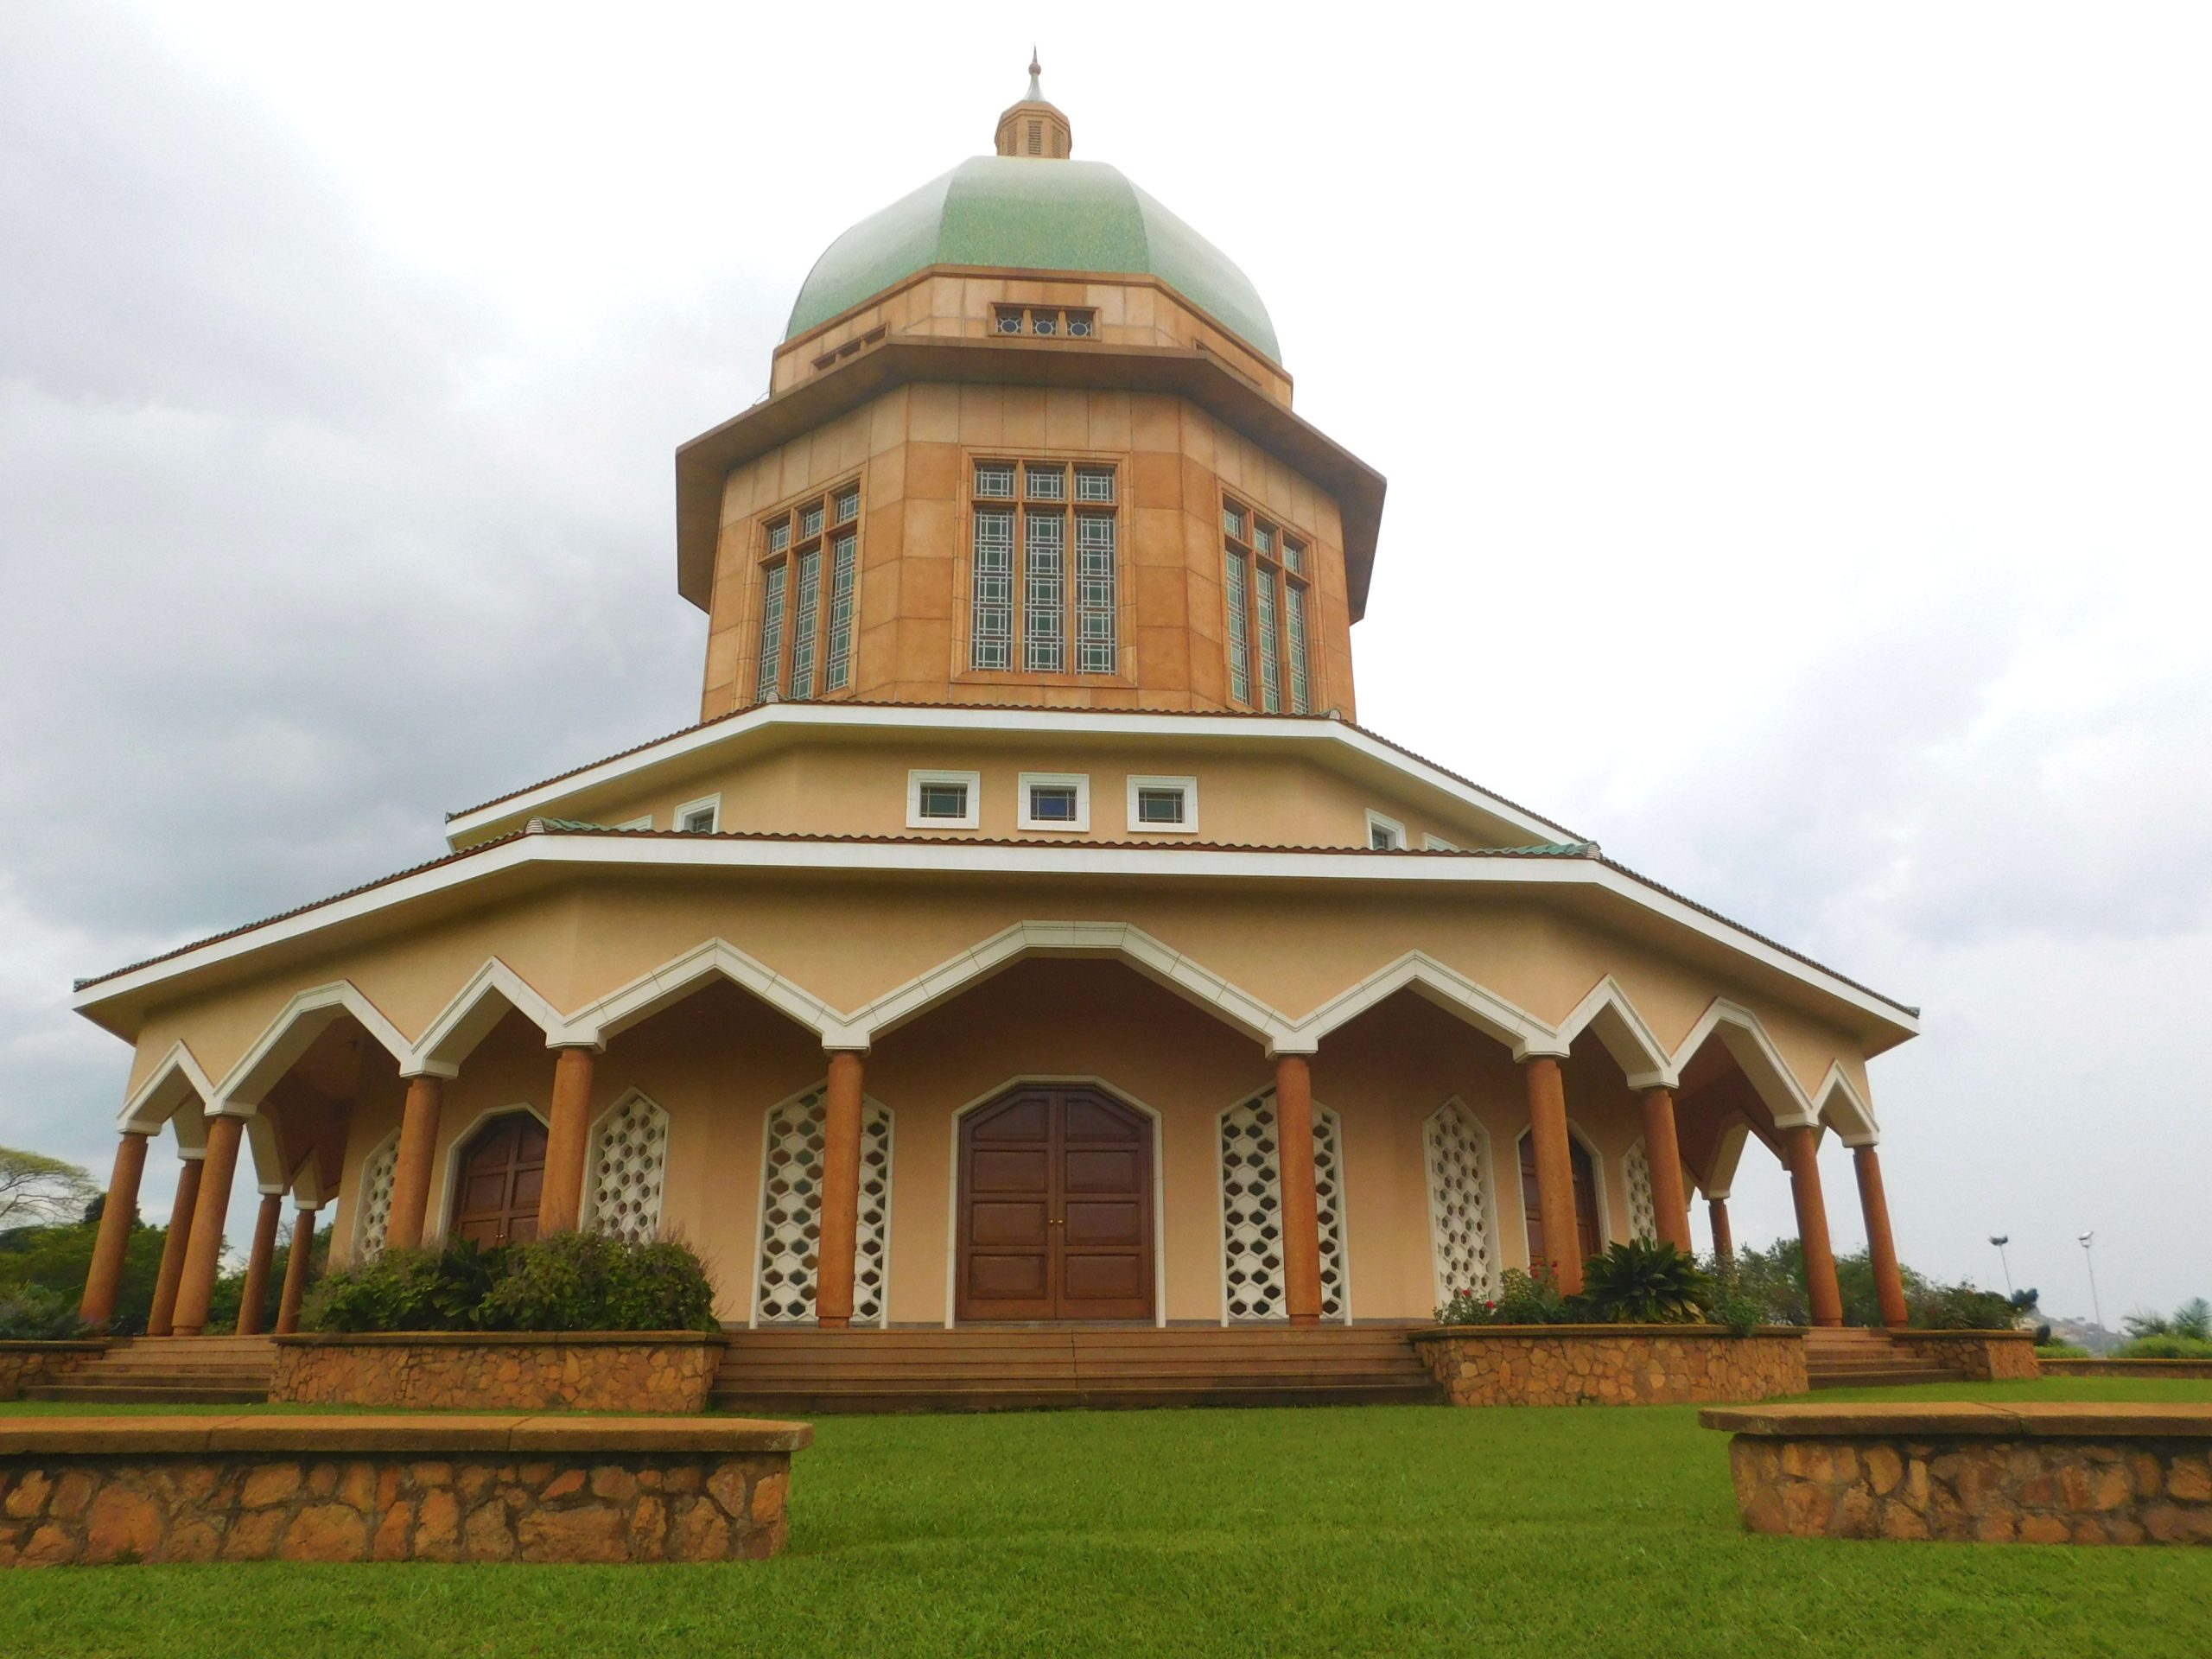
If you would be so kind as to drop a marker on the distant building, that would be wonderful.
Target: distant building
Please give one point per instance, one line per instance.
(1028, 931)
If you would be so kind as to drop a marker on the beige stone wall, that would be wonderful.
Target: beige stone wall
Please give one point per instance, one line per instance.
(25, 1364)
(1977, 1356)
(497, 1371)
(911, 451)
(425, 1505)
(949, 303)
(1607, 1365)
(2076, 1487)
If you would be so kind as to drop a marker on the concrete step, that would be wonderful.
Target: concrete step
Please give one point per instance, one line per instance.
(150, 1394)
(1892, 1376)
(973, 1397)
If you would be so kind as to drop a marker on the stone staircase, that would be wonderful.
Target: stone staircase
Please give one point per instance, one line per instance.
(1854, 1357)
(803, 1371)
(169, 1371)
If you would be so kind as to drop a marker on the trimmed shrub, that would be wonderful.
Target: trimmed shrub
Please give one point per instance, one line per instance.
(2168, 1346)
(564, 1282)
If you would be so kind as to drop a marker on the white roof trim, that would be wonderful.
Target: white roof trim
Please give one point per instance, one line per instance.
(708, 853)
(518, 809)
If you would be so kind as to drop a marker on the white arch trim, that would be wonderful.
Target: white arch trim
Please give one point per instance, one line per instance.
(1746, 1041)
(176, 1082)
(289, 1035)
(467, 1020)
(1839, 1105)
(1447, 988)
(649, 992)
(1607, 1011)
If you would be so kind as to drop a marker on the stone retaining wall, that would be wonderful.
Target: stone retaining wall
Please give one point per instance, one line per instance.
(22, 1364)
(499, 1371)
(2182, 1368)
(93, 1490)
(1612, 1364)
(1977, 1355)
(2035, 1473)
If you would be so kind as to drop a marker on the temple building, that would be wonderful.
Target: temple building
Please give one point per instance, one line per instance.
(1027, 930)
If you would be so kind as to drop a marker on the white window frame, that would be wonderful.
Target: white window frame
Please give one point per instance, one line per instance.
(1438, 844)
(1378, 820)
(644, 823)
(1190, 788)
(1079, 781)
(712, 804)
(973, 782)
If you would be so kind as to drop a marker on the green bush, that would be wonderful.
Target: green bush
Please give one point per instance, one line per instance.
(1645, 1281)
(1962, 1307)
(2061, 1350)
(2167, 1346)
(1522, 1299)
(564, 1282)
(1731, 1304)
(31, 1315)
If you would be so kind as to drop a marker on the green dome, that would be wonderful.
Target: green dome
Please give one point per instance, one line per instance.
(1031, 214)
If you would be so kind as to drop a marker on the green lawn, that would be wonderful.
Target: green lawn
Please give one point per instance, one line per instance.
(1376, 1530)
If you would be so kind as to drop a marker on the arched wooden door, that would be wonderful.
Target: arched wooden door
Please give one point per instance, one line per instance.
(1055, 1208)
(1585, 1200)
(502, 1174)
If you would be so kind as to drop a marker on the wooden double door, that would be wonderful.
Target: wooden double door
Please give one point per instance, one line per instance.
(502, 1177)
(1055, 1208)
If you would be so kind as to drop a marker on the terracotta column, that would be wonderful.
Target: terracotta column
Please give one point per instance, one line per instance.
(1724, 1240)
(1664, 1154)
(1801, 1149)
(841, 1193)
(1554, 1169)
(566, 1137)
(296, 1271)
(1301, 1216)
(257, 1263)
(182, 1210)
(1889, 1283)
(410, 1175)
(111, 1250)
(203, 1253)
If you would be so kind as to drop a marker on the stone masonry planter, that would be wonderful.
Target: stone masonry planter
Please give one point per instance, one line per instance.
(95, 1490)
(1612, 1364)
(499, 1371)
(1977, 1355)
(23, 1364)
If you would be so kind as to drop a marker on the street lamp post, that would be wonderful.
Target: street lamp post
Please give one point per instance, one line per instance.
(2000, 1239)
(2089, 1256)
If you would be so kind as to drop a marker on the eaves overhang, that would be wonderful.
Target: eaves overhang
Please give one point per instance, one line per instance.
(551, 850)
(702, 464)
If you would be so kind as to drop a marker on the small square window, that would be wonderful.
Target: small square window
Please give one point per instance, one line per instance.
(1046, 483)
(1384, 835)
(994, 478)
(1094, 483)
(1009, 320)
(1164, 805)
(849, 505)
(1232, 520)
(941, 800)
(779, 535)
(809, 520)
(1055, 800)
(1081, 325)
(1045, 322)
(700, 817)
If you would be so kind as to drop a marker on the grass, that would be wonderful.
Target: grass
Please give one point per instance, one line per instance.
(1376, 1530)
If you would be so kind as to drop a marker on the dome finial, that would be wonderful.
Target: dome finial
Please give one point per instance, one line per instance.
(1034, 128)
(1036, 91)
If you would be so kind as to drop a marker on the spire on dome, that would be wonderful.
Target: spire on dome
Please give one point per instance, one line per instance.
(1034, 128)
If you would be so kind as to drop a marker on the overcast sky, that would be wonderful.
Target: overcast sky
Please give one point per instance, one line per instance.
(1797, 422)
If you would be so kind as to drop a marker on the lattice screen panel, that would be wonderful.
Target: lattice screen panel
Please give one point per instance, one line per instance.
(629, 1157)
(790, 1213)
(377, 1170)
(1461, 1236)
(1251, 1207)
(1643, 1213)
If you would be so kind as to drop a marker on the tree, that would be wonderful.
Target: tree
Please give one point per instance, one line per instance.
(35, 1190)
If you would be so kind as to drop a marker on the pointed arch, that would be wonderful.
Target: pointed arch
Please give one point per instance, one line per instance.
(1607, 1013)
(287, 1037)
(1433, 981)
(675, 979)
(176, 1083)
(1464, 1241)
(1156, 960)
(1754, 1052)
(492, 992)
(1727, 1154)
(626, 1163)
(1838, 1104)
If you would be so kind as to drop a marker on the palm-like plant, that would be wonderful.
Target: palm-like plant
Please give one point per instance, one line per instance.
(2193, 1320)
(1645, 1282)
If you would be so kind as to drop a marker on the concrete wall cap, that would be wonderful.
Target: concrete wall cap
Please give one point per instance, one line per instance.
(1450, 1332)
(277, 1435)
(499, 1338)
(1906, 1420)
